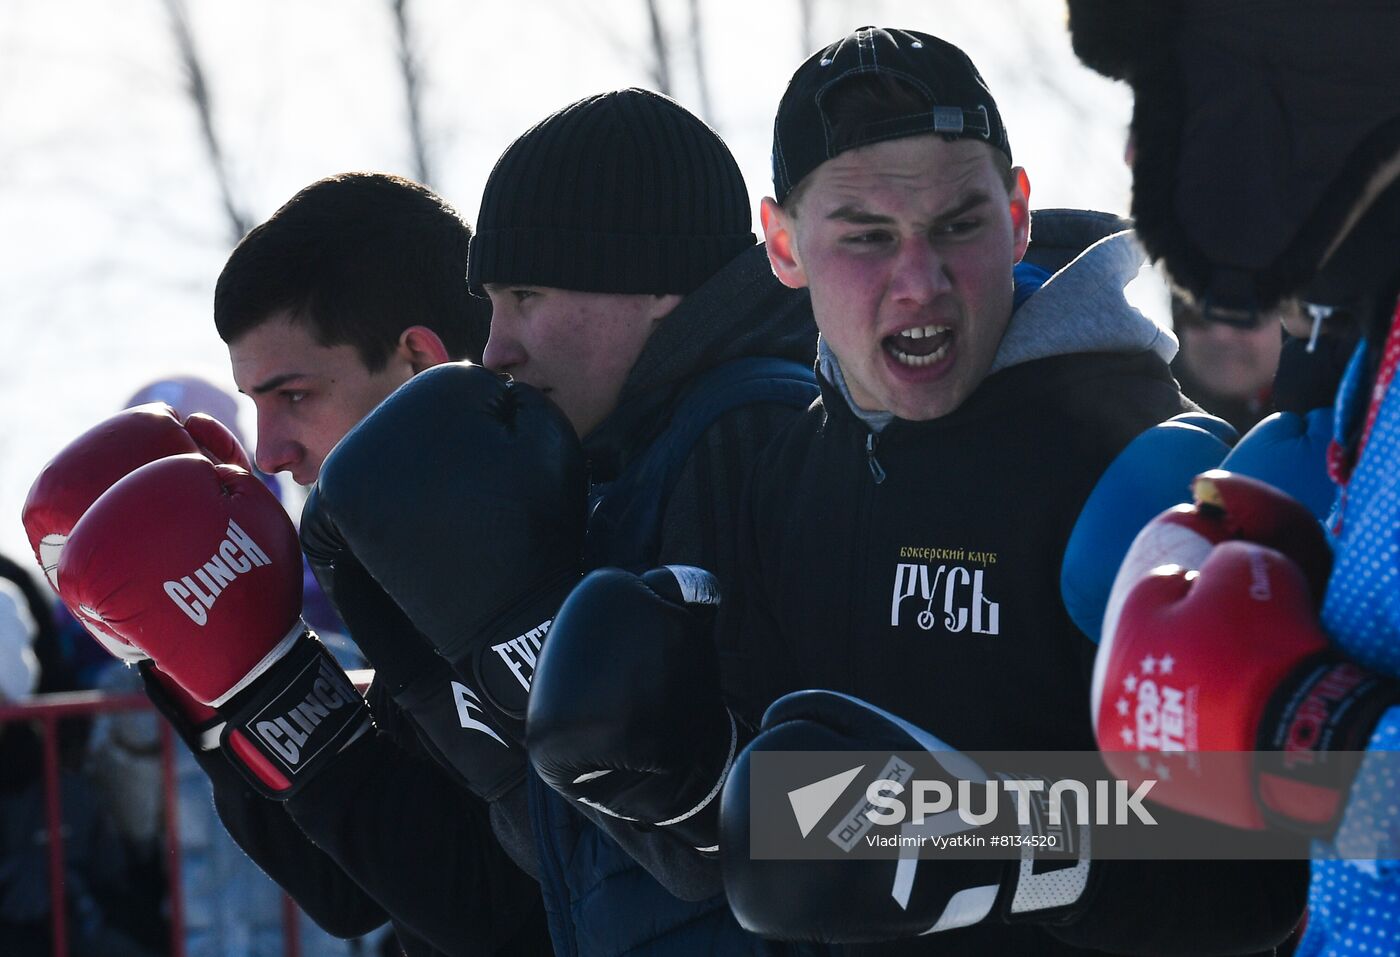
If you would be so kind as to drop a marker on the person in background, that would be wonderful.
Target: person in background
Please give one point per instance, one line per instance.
(19, 631)
(100, 888)
(1287, 187)
(1228, 369)
(124, 766)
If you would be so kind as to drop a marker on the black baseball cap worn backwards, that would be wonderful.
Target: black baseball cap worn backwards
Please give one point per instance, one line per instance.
(959, 103)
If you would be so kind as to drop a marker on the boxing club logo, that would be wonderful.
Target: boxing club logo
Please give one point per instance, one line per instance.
(951, 595)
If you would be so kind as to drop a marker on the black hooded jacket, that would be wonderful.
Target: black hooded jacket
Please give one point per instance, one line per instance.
(918, 567)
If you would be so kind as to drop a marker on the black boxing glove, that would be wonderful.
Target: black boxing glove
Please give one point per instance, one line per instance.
(854, 900)
(626, 714)
(447, 712)
(464, 496)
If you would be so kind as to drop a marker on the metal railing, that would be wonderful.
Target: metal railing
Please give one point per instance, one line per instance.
(46, 711)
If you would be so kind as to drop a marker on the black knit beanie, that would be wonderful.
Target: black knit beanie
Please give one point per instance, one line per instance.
(623, 192)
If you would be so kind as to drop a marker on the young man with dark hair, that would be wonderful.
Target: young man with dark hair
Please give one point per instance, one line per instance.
(349, 290)
(903, 540)
(355, 284)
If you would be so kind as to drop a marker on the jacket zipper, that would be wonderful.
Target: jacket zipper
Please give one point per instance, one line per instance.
(862, 530)
(876, 469)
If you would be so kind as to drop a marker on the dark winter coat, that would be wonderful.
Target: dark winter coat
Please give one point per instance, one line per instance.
(600, 900)
(918, 567)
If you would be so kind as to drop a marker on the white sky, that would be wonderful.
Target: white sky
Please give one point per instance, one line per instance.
(111, 229)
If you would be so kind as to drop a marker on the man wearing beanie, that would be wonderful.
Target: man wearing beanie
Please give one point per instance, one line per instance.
(614, 242)
(902, 542)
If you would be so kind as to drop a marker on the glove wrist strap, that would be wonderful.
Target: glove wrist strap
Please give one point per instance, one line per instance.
(1312, 738)
(500, 656)
(1051, 878)
(296, 716)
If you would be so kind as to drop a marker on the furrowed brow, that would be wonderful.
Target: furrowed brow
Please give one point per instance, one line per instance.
(276, 382)
(858, 216)
(964, 206)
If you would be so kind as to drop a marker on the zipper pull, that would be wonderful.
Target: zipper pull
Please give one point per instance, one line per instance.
(876, 469)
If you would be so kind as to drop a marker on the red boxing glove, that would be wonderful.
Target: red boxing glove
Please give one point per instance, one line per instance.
(183, 556)
(197, 566)
(1227, 507)
(94, 461)
(215, 441)
(1230, 658)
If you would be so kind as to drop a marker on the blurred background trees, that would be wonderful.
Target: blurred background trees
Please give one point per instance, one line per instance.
(138, 141)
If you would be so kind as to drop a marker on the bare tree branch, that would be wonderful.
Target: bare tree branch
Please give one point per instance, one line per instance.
(661, 61)
(202, 101)
(408, 67)
(805, 17)
(697, 49)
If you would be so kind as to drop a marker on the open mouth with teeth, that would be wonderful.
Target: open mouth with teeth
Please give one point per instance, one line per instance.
(920, 346)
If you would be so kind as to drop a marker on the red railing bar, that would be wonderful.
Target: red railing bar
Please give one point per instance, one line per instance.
(172, 841)
(66, 704)
(48, 709)
(291, 929)
(53, 813)
(70, 703)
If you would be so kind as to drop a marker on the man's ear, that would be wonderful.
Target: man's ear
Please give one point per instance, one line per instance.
(662, 306)
(423, 348)
(1020, 212)
(779, 233)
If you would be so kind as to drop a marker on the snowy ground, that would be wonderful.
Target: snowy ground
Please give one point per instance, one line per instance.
(111, 231)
